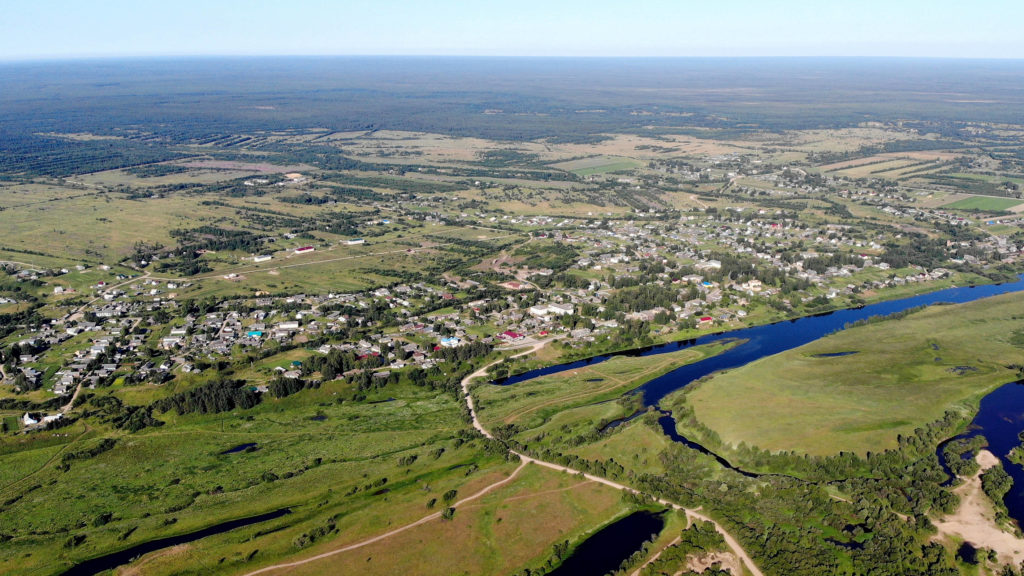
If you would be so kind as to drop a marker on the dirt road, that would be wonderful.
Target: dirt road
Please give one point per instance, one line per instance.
(525, 460)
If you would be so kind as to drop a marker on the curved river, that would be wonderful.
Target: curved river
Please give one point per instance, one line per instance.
(999, 428)
(761, 341)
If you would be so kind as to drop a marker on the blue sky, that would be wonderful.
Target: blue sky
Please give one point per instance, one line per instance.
(111, 28)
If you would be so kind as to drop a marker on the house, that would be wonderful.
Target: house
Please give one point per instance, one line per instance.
(31, 374)
(543, 310)
(539, 310)
(450, 342)
(170, 342)
(261, 258)
(561, 309)
(510, 336)
(28, 420)
(304, 250)
(705, 321)
(355, 241)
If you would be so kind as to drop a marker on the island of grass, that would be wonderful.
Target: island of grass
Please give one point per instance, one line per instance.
(907, 372)
(585, 395)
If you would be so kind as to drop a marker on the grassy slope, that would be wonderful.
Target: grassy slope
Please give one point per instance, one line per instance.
(902, 376)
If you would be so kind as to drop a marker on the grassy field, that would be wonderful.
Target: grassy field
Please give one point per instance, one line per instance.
(176, 479)
(869, 169)
(509, 528)
(984, 203)
(904, 373)
(636, 445)
(598, 165)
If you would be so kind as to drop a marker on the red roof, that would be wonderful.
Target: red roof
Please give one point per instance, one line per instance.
(707, 319)
(511, 334)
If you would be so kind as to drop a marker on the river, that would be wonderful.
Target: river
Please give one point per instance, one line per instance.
(1000, 418)
(760, 341)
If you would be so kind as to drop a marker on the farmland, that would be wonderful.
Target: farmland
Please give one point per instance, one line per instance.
(984, 203)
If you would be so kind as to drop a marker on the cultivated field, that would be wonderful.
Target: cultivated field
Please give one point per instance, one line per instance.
(987, 203)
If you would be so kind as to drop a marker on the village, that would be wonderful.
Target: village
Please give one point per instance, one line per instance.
(660, 276)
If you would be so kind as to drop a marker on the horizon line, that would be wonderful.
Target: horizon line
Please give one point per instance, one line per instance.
(167, 57)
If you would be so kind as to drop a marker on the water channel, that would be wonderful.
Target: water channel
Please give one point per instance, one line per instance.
(115, 559)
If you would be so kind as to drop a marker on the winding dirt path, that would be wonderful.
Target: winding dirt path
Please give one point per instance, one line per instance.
(385, 535)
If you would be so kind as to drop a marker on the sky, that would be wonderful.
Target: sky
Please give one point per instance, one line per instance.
(63, 29)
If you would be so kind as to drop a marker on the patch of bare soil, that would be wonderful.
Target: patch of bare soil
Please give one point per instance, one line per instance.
(726, 560)
(975, 520)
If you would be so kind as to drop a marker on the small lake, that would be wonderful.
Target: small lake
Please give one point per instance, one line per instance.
(604, 551)
(115, 559)
(240, 448)
(1000, 419)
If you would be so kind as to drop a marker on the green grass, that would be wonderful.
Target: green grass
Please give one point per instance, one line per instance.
(178, 472)
(509, 528)
(985, 203)
(636, 445)
(904, 375)
(598, 165)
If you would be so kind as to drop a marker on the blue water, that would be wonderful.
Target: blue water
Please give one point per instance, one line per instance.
(1000, 419)
(835, 354)
(1001, 415)
(761, 341)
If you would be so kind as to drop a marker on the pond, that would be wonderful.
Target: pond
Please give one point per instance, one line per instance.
(605, 550)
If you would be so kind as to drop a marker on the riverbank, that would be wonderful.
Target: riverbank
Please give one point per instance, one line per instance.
(858, 390)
